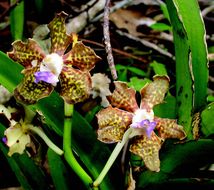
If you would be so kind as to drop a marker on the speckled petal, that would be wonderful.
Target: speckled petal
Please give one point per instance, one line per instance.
(82, 57)
(25, 53)
(154, 92)
(20, 145)
(148, 150)
(59, 39)
(112, 123)
(13, 133)
(168, 128)
(75, 85)
(123, 97)
(30, 92)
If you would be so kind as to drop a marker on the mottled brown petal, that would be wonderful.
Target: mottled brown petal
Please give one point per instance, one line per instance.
(59, 39)
(112, 123)
(25, 53)
(123, 97)
(82, 57)
(30, 92)
(148, 150)
(154, 92)
(75, 85)
(168, 128)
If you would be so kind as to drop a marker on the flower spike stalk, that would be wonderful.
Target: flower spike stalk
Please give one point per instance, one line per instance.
(67, 140)
(49, 143)
(112, 158)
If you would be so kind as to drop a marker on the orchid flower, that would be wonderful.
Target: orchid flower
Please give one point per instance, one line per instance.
(43, 71)
(19, 133)
(17, 138)
(148, 131)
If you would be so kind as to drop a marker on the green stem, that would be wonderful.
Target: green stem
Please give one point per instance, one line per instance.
(113, 157)
(50, 144)
(67, 140)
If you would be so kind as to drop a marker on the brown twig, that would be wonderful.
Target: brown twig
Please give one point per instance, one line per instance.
(118, 5)
(107, 42)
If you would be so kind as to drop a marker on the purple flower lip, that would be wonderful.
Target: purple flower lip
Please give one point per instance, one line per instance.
(146, 126)
(45, 76)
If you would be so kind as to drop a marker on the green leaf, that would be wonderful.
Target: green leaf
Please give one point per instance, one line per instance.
(178, 158)
(137, 71)
(184, 82)
(17, 20)
(190, 29)
(120, 67)
(48, 107)
(10, 72)
(122, 75)
(123, 71)
(164, 10)
(160, 26)
(158, 68)
(91, 114)
(137, 83)
(191, 59)
(58, 171)
(207, 124)
(210, 98)
(198, 62)
(166, 109)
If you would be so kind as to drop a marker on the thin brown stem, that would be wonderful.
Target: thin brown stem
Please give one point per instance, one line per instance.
(107, 42)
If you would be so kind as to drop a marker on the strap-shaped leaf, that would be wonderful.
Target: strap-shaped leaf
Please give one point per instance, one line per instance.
(58, 171)
(10, 72)
(17, 18)
(191, 59)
